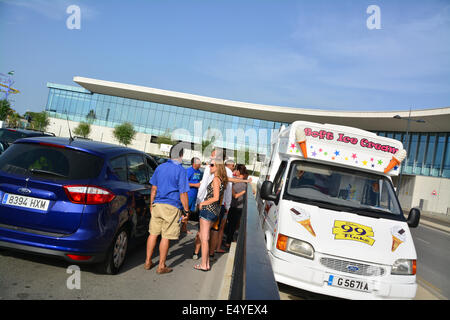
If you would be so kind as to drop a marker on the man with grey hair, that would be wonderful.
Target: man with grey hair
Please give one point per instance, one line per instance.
(168, 197)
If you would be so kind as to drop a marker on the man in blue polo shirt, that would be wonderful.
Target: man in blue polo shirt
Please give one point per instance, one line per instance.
(168, 197)
(194, 176)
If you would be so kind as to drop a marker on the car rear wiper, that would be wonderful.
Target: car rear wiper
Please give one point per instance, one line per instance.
(47, 172)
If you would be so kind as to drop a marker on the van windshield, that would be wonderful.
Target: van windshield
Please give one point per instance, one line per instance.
(342, 189)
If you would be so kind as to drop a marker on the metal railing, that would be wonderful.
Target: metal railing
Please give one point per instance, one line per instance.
(252, 277)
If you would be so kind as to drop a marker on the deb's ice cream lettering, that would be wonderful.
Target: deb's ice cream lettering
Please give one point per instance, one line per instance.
(303, 218)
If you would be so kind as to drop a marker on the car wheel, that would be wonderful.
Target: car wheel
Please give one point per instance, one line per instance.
(116, 253)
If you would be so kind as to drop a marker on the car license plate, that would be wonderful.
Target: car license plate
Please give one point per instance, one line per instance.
(25, 202)
(348, 283)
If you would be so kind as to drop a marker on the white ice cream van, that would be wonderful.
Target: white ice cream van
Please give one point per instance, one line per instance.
(331, 218)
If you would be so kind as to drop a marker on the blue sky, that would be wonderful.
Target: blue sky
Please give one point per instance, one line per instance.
(307, 54)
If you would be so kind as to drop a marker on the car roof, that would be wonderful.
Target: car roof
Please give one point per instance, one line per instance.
(103, 148)
(26, 131)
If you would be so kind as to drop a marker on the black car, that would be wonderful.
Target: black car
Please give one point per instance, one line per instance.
(9, 135)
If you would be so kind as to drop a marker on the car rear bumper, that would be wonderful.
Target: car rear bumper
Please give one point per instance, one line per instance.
(93, 257)
(84, 242)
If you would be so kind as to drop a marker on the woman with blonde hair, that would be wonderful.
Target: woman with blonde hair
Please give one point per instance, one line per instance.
(210, 209)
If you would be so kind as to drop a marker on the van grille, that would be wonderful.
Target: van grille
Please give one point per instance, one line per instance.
(352, 267)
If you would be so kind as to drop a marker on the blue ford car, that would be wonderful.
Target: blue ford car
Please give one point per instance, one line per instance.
(80, 200)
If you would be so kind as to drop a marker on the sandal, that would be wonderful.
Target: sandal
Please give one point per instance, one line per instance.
(164, 270)
(199, 267)
(149, 266)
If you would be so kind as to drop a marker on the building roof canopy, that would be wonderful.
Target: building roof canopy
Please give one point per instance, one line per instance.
(436, 120)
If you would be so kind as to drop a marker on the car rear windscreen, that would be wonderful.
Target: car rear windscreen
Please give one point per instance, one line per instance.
(10, 136)
(50, 162)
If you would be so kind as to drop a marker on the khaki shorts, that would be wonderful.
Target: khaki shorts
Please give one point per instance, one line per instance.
(165, 221)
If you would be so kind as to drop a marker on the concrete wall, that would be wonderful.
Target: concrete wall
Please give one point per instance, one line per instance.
(105, 134)
(430, 194)
(141, 141)
(435, 193)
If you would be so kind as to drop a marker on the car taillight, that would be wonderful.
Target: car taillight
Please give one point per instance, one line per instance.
(88, 194)
(51, 145)
(77, 257)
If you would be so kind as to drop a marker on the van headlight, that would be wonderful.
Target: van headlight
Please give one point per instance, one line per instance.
(295, 246)
(404, 267)
(300, 248)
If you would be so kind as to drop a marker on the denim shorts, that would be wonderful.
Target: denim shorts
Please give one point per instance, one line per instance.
(207, 215)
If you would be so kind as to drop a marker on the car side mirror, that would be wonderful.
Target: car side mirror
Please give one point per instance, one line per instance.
(413, 218)
(266, 191)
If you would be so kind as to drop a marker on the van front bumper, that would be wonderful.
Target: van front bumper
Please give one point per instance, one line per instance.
(310, 275)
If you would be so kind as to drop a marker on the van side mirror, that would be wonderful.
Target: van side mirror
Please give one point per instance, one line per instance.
(413, 218)
(266, 191)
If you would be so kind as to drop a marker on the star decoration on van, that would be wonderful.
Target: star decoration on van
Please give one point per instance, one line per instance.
(337, 153)
(314, 154)
(354, 155)
(380, 162)
(293, 145)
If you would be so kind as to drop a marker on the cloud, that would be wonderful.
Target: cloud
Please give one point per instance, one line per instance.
(407, 55)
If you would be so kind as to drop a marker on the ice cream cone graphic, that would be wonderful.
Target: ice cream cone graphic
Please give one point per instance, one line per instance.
(398, 237)
(397, 158)
(301, 139)
(307, 224)
(395, 243)
(303, 218)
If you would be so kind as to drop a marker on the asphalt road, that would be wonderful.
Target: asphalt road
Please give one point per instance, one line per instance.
(24, 276)
(433, 260)
(433, 272)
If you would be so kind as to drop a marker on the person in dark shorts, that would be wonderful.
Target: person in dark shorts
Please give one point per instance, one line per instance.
(237, 203)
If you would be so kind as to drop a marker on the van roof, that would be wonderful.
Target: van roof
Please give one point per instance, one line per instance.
(340, 145)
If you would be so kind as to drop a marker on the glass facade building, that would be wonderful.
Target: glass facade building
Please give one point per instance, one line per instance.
(428, 153)
(156, 119)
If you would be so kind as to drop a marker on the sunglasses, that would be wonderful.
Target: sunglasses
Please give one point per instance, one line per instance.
(211, 165)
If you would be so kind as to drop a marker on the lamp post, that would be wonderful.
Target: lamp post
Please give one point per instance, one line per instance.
(409, 120)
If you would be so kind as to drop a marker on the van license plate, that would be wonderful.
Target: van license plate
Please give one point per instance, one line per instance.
(348, 283)
(25, 202)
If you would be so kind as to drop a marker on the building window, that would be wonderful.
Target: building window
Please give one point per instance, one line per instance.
(429, 156)
(437, 165)
(420, 154)
(446, 167)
